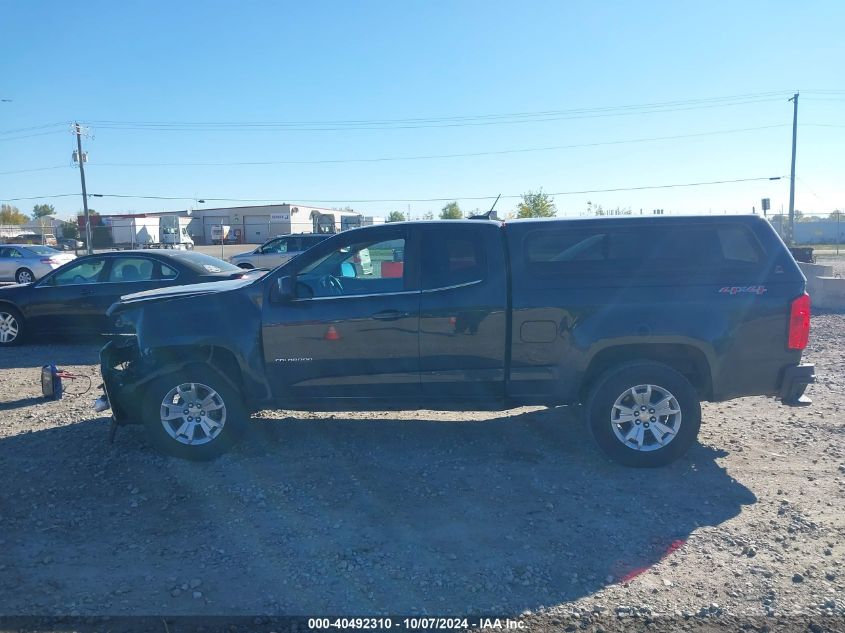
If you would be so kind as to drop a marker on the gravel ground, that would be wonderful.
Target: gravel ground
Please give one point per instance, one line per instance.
(424, 512)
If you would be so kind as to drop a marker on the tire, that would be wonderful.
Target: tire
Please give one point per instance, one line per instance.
(223, 426)
(24, 276)
(12, 327)
(246, 266)
(632, 433)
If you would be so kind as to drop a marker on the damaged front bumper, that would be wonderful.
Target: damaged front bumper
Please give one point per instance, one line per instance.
(122, 374)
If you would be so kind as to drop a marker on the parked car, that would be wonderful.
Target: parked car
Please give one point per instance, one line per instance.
(70, 244)
(74, 298)
(25, 238)
(277, 251)
(26, 263)
(638, 319)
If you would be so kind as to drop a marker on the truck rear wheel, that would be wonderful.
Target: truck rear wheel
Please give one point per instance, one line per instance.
(643, 414)
(194, 414)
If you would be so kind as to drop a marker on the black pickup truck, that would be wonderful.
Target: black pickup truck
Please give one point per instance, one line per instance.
(637, 319)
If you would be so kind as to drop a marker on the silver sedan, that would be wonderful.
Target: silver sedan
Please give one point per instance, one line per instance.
(24, 263)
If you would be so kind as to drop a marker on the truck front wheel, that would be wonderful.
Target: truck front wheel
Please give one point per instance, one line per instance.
(643, 414)
(194, 414)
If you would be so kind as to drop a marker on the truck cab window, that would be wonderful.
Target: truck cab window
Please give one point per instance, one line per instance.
(357, 269)
(453, 261)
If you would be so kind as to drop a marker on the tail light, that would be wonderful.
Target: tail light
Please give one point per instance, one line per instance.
(799, 322)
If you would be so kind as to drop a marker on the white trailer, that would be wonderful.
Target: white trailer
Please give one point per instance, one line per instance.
(174, 232)
(156, 232)
(135, 232)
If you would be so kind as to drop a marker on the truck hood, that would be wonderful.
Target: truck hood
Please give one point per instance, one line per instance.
(137, 299)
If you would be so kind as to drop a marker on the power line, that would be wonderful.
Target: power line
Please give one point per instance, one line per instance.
(458, 117)
(656, 106)
(454, 121)
(57, 195)
(376, 127)
(26, 171)
(438, 156)
(35, 127)
(419, 157)
(446, 199)
(18, 138)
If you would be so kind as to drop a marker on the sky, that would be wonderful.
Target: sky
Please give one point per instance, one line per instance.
(151, 80)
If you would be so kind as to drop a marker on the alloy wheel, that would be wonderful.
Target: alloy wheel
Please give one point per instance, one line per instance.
(646, 417)
(193, 413)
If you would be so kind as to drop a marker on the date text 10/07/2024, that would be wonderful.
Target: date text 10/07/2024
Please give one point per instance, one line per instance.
(415, 624)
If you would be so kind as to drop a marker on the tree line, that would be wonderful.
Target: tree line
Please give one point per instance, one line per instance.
(11, 215)
(533, 205)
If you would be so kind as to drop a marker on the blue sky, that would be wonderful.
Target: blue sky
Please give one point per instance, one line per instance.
(339, 61)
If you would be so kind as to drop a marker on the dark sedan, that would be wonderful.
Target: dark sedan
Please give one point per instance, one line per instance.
(73, 299)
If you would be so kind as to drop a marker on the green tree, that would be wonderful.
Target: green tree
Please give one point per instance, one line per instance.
(81, 214)
(596, 209)
(836, 215)
(101, 237)
(536, 205)
(70, 230)
(451, 212)
(396, 216)
(428, 215)
(10, 214)
(41, 210)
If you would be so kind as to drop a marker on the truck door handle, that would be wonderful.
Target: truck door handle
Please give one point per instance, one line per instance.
(389, 315)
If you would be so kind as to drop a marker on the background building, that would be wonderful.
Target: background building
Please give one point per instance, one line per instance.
(257, 224)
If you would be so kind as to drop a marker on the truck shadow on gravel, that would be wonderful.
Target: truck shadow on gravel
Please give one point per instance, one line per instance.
(342, 516)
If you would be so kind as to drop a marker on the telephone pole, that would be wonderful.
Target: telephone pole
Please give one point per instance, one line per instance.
(80, 158)
(794, 100)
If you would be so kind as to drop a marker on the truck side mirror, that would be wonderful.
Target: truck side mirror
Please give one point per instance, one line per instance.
(284, 290)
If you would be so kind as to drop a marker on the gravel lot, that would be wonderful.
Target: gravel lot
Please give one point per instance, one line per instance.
(423, 512)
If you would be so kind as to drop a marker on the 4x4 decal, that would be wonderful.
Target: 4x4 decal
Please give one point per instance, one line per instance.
(735, 290)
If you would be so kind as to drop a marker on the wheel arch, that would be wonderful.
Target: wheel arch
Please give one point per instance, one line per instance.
(4, 303)
(688, 360)
(218, 358)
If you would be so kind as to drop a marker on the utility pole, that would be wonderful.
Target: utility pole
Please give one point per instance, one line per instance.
(81, 160)
(794, 100)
